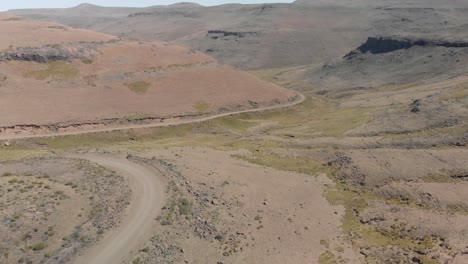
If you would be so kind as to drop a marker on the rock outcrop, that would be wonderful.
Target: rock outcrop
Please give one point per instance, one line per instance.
(48, 53)
(214, 34)
(384, 44)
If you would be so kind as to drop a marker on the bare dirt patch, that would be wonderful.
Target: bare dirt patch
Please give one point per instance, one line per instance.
(227, 210)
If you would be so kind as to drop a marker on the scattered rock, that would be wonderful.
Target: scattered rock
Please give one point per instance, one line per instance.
(415, 106)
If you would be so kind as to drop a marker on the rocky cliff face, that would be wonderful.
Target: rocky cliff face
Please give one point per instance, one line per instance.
(44, 54)
(384, 44)
(215, 34)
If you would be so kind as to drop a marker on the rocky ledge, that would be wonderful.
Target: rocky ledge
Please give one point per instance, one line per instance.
(384, 44)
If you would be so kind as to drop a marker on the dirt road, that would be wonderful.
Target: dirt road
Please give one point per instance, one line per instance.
(135, 229)
(300, 99)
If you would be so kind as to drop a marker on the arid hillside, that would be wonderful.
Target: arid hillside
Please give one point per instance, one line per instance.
(245, 36)
(270, 35)
(56, 77)
(366, 163)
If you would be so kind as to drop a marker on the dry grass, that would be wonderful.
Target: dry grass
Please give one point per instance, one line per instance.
(316, 117)
(327, 258)
(296, 164)
(397, 87)
(353, 200)
(18, 153)
(434, 132)
(271, 75)
(458, 94)
(202, 107)
(55, 70)
(240, 123)
(139, 87)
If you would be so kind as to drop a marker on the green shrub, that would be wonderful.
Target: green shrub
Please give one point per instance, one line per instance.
(185, 206)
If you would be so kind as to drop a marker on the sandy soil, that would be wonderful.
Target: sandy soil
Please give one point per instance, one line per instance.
(258, 214)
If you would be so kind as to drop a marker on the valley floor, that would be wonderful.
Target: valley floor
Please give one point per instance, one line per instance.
(326, 181)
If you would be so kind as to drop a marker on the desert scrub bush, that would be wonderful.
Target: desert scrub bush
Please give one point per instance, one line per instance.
(58, 70)
(325, 243)
(145, 249)
(86, 61)
(16, 216)
(327, 258)
(38, 246)
(166, 222)
(6, 174)
(185, 206)
(339, 249)
(13, 181)
(139, 87)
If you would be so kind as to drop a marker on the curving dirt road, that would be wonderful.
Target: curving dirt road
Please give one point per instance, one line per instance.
(135, 229)
(163, 124)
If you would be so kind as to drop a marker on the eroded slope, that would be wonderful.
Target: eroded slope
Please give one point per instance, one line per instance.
(106, 81)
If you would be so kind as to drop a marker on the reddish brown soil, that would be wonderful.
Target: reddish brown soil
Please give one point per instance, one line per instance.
(117, 80)
(22, 32)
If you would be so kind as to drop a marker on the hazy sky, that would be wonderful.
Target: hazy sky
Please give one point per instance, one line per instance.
(12, 4)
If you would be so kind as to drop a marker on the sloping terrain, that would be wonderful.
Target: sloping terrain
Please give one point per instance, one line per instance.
(399, 105)
(245, 36)
(69, 77)
(270, 35)
(385, 119)
(421, 83)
